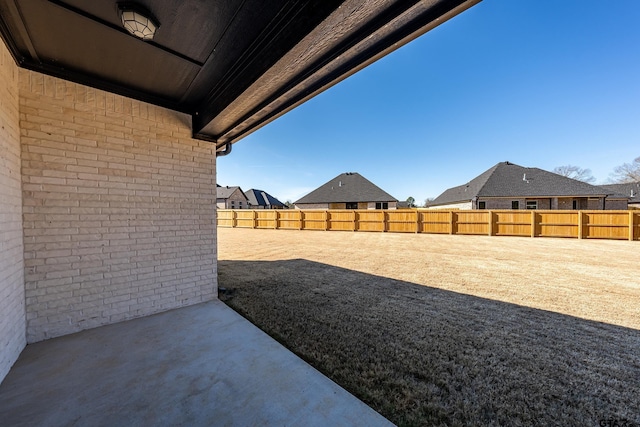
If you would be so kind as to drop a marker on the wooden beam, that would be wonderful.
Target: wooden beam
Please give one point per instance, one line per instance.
(490, 222)
(533, 223)
(580, 225)
(451, 215)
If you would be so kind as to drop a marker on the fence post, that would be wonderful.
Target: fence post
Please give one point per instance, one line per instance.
(355, 221)
(533, 223)
(275, 221)
(234, 220)
(254, 220)
(490, 222)
(580, 225)
(384, 221)
(417, 221)
(631, 225)
(300, 219)
(451, 222)
(326, 220)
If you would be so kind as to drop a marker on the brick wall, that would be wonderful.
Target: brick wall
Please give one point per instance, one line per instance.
(616, 204)
(499, 204)
(12, 309)
(119, 208)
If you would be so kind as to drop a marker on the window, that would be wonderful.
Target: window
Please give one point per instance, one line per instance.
(482, 205)
(383, 205)
(532, 204)
(575, 204)
(352, 205)
(515, 204)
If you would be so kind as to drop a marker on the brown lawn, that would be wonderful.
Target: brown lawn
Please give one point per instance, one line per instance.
(451, 330)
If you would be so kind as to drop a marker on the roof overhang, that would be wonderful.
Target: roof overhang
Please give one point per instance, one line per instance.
(232, 65)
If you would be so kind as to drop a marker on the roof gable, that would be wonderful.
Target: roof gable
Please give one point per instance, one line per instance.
(261, 198)
(227, 192)
(347, 187)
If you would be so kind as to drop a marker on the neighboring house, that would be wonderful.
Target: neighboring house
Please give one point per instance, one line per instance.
(630, 189)
(509, 186)
(231, 198)
(259, 199)
(349, 190)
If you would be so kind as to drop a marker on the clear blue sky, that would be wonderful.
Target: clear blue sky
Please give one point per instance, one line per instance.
(540, 83)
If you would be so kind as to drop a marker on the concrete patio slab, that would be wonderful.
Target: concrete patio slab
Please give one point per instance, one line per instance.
(203, 365)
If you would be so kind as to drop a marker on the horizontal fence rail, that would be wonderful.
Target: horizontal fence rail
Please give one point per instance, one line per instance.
(618, 225)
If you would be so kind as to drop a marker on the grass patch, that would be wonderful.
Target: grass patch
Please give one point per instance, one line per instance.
(421, 354)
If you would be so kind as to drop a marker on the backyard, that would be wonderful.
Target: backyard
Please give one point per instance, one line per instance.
(451, 330)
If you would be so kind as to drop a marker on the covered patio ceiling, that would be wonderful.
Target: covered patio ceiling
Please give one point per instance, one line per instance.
(233, 65)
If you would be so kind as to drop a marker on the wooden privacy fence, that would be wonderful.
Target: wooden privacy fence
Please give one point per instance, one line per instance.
(622, 225)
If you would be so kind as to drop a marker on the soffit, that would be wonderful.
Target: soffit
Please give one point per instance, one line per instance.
(233, 65)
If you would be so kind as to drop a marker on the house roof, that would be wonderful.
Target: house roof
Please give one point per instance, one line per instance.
(261, 198)
(506, 179)
(232, 65)
(226, 192)
(629, 189)
(347, 187)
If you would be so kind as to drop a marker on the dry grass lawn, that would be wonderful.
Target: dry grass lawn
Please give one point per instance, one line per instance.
(451, 330)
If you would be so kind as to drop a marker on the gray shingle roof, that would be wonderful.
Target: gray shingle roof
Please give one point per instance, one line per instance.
(630, 189)
(261, 198)
(510, 180)
(347, 187)
(226, 192)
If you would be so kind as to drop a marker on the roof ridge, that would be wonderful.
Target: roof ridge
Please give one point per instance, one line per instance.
(346, 187)
(493, 170)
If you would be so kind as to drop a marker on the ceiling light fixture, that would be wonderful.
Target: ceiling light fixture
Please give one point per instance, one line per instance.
(138, 20)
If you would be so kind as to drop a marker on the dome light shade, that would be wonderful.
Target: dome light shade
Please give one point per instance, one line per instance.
(138, 21)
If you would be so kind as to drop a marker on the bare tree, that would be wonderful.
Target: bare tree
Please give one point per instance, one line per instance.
(575, 172)
(428, 200)
(627, 172)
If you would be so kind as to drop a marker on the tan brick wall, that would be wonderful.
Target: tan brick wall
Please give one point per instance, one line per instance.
(12, 309)
(119, 208)
(237, 200)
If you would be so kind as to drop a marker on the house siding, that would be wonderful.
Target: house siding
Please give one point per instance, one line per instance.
(312, 206)
(461, 206)
(12, 299)
(118, 204)
(237, 200)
